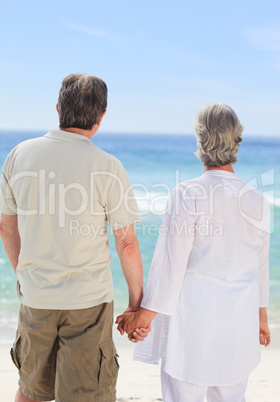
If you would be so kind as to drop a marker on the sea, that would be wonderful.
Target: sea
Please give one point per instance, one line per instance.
(155, 164)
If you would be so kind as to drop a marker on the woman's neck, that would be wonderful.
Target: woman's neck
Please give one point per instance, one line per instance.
(228, 168)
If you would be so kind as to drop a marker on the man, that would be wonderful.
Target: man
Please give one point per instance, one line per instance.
(58, 193)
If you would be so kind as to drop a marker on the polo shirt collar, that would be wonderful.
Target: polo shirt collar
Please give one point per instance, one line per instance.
(67, 136)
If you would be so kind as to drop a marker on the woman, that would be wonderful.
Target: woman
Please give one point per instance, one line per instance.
(208, 286)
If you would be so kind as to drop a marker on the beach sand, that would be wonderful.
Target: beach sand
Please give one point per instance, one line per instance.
(141, 382)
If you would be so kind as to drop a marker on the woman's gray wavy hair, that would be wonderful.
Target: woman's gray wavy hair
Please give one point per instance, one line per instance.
(82, 100)
(218, 132)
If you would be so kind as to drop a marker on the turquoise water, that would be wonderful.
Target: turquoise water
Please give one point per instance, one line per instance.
(155, 164)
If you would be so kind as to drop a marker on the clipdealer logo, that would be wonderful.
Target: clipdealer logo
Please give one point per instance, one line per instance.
(51, 199)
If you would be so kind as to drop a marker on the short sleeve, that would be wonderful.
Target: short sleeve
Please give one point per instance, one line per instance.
(7, 201)
(121, 206)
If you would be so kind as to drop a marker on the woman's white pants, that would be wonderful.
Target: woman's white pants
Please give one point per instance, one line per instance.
(174, 390)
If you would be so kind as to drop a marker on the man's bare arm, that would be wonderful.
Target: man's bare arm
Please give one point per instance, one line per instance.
(127, 247)
(10, 238)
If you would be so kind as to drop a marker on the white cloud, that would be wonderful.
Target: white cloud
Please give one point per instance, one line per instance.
(96, 33)
(267, 39)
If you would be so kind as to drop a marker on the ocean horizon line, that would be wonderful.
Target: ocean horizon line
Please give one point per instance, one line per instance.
(40, 131)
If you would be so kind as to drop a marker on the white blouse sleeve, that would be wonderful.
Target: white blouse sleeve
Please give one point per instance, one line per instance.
(264, 261)
(171, 255)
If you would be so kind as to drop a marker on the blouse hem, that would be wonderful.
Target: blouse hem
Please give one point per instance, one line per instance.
(215, 384)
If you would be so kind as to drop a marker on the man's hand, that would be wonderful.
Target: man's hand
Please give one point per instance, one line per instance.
(128, 322)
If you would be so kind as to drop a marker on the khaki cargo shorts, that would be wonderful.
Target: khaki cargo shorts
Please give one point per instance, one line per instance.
(66, 355)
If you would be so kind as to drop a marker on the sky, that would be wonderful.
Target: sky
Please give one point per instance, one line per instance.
(162, 61)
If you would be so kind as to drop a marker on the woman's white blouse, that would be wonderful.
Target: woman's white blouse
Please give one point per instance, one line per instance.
(208, 278)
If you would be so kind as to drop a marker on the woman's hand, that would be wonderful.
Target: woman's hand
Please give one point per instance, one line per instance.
(264, 334)
(139, 334)
(264, 328)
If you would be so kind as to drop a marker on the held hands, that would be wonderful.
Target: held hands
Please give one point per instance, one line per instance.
(127, 322)
(136, 324)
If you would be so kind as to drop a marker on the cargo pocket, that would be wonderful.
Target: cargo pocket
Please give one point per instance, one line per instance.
(109, 365)
(15, 351)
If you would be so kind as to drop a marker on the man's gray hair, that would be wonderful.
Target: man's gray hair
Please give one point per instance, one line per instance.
(82, 100)
(218, 132)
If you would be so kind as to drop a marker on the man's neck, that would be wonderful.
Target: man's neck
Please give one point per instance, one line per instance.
(87, 133)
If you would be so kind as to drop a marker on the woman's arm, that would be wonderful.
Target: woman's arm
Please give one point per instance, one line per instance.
(168, 267)
(172, 252)
(264, 280)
